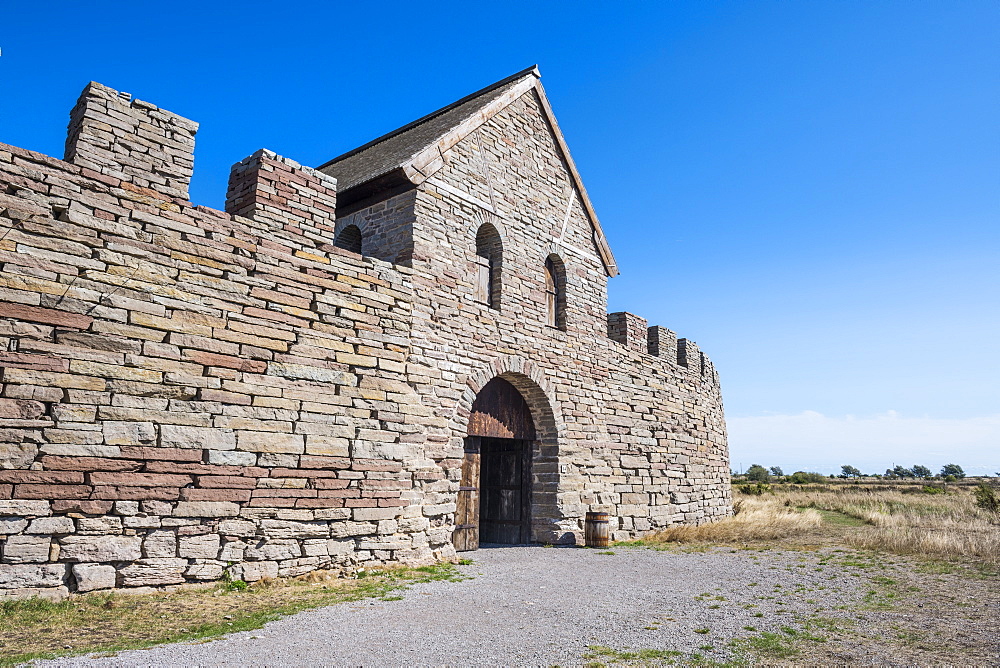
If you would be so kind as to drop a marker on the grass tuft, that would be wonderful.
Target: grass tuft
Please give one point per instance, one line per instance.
(111, 622)
(759, 518)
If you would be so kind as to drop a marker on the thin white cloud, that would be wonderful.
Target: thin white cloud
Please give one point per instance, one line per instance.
(812, 441)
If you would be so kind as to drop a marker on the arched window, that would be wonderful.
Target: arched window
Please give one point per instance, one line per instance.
(555, 292)
(349, 239)
(489, 261)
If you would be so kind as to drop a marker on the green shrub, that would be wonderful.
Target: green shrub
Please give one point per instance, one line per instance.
(987, 498)
(803, 477)
(931, 489)
(756, 489)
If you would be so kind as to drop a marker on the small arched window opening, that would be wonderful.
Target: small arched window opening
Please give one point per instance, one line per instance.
(349, 239)
(555, 292)
(489, 262)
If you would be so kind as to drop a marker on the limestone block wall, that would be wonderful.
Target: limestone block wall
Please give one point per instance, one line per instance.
(624, 429)
(185, 390)
(666, 460)
(386, 227)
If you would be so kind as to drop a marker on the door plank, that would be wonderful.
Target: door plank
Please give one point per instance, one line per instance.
(466, 535)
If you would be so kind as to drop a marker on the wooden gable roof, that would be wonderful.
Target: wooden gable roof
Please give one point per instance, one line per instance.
(413, 153)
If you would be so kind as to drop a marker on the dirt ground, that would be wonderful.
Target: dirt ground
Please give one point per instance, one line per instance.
(639, 606)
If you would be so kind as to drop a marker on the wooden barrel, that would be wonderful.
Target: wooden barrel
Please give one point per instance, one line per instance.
(596, 530)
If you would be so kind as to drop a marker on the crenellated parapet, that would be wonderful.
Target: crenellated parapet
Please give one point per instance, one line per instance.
(631, 331)
(662, 342)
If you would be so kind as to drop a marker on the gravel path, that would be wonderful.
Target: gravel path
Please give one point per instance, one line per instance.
(538, 606)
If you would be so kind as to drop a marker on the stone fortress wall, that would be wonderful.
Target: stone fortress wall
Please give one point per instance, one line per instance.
(187, 392)
(639, 435)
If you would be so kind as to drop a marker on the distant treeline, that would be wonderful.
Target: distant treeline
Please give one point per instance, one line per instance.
(948, 473)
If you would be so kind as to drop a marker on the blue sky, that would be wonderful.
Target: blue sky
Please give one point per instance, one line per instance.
(810, 190)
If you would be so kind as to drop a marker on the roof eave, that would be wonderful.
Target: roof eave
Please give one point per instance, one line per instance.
(533, 70)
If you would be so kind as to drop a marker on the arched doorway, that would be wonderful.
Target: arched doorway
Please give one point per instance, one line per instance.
(494, 500)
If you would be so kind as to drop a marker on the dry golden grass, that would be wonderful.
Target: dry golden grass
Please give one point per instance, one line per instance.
(941, 525)
(757, 518)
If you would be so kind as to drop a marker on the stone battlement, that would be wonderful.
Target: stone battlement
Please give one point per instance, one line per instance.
(131, 140)
(631, 332)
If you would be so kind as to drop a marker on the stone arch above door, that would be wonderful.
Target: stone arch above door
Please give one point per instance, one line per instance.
(530, 380)
(501, 411)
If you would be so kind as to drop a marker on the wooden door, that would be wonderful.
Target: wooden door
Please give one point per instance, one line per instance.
(466, 536)
(505, 488)
(494, 504)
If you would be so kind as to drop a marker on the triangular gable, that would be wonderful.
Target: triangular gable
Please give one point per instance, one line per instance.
(415, 151)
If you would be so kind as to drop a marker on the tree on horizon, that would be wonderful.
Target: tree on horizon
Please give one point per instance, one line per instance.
(952, 469)
(848, 471)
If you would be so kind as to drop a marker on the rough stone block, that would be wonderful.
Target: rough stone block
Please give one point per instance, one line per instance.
(205, 570)
(287, 529)
(274, 550)
(23, 549)
(90, 577)
(18, 576)
(232, 458)
(315, 547)
(149, 572)
(54, 526)
(20, 409)
(345, 529)
(252, 571)
(17, 455)
(206, 509)
(12, 525)
(199, 547)
(127, 507)
(100, 548)
(99, 525)
(127, 433)
(341, 547)
(241, 528)
(207, 438)
(160, 544)
(82, 506)
(332, 446)
(141, 522)
(24, 508)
